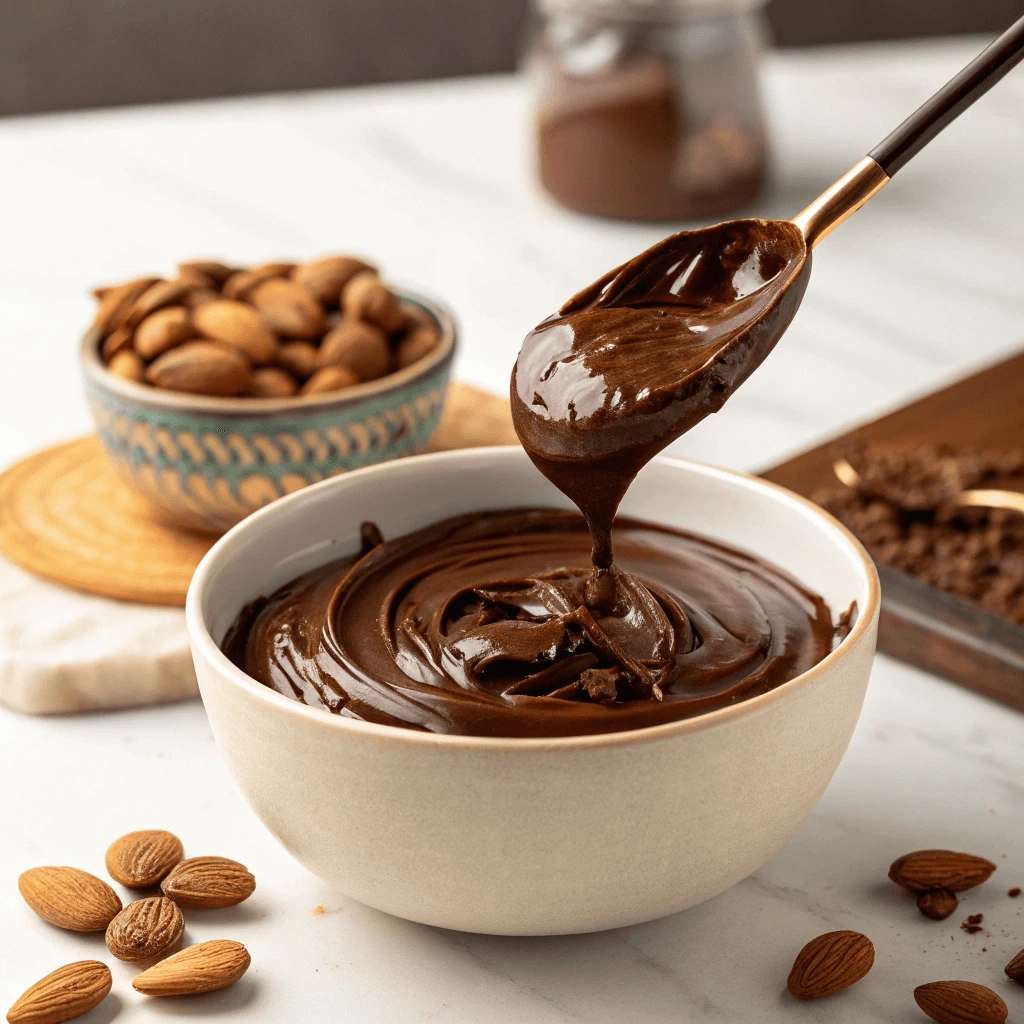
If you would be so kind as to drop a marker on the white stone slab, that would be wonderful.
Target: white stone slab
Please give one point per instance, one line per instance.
(64, 651)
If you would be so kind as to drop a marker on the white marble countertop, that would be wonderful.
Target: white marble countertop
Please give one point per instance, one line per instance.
(433, 181)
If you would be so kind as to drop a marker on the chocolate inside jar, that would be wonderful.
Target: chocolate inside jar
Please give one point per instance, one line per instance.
(648, 112)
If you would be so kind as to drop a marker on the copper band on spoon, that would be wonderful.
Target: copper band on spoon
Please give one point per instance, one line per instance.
(840, 200)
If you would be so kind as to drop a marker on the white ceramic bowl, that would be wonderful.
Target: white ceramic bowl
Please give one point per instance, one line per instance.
(532, 837)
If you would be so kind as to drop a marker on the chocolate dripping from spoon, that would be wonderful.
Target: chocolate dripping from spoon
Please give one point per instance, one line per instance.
(643, 354)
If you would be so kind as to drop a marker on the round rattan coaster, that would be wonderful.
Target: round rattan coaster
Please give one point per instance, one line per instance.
(66, 516)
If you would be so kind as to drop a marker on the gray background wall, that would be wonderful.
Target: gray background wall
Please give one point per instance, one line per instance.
(65, 54)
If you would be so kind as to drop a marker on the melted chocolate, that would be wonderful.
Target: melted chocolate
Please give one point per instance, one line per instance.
(646, 352)
(481, 626)
(498, 624)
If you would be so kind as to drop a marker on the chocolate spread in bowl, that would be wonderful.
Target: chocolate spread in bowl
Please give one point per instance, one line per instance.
(481, 626)
(499, 624)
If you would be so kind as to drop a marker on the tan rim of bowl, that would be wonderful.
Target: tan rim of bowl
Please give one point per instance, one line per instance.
(156, 398)
(199, 634)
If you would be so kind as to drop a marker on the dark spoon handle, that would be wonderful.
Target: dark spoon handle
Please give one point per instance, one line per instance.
(951, 100)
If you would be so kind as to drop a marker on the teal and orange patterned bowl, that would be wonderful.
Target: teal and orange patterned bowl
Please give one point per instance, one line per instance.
(208, 462)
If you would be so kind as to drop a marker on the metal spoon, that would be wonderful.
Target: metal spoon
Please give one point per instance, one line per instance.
(647, 351)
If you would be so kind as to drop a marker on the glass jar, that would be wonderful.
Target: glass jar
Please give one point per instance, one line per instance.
(648, 109)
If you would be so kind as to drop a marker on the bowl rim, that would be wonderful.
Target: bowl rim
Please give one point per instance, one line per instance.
(96, 372)
(200, 637)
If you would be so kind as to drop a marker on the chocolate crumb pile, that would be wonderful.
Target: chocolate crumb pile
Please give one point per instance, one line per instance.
(905, 511)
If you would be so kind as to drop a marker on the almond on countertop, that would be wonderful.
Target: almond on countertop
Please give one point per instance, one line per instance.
(63, 994)
(146, 928)
(209, 882)
(1014, 970)
(238, 325)
(202, 368)
(69, 898)
(206, 967)
(960, 1002)
(140, 860)
(937, 904)
(940, 869)
(830, 963)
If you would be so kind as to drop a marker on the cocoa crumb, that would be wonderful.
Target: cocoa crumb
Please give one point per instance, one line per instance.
(1014, 892)
(905, 510)
(973, 924)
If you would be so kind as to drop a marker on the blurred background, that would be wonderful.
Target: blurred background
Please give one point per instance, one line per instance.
(68, 54)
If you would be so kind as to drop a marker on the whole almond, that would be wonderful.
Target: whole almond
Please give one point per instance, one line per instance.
(238, 325)
(162, 330)
(419, 342)
(206, 967)
(209, 882)
(325, 278)
(198, 278)
(239, 285)
(115, 342)
(156, 296)
(271, 382)
(330, 378)
(830, 963)
(140, 860)
(70, 898)
(146, 928)
(937, 904)
(117, 303)
(128, 365)
(201, 368)
(367, 298)
(279, 268)
(218, 272)
(63, 994)
(960, 1002)
(1015, 968)
(299, 358)
(199, 297)
(361, 347)
(940, 869)
(288, 308)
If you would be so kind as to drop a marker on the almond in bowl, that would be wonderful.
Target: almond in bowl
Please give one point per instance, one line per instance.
(222, 388)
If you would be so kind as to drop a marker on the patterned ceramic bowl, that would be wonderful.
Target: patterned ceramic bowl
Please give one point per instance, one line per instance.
(209, 462)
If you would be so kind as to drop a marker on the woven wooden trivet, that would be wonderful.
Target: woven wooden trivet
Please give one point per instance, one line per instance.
(66, 516)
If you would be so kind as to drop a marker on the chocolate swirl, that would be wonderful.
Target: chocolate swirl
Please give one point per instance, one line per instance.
(482, 625)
